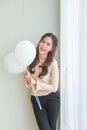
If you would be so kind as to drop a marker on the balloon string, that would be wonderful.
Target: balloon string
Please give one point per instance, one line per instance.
(36, 97)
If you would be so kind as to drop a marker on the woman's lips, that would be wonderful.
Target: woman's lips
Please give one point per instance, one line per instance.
(42, 49)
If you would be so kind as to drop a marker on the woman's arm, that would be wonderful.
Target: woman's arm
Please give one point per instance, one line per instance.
(53, 86)
(29, 80)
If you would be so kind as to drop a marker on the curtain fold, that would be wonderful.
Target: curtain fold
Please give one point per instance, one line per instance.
(83, 67)
(74, 87)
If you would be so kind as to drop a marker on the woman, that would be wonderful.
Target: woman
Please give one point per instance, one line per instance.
(43, 74)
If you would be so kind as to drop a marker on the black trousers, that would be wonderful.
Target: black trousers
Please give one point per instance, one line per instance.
(47, 117)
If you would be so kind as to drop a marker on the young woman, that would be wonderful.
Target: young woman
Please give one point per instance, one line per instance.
(43, 74)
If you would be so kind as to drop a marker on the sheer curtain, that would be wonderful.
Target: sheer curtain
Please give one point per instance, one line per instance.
(73, 65)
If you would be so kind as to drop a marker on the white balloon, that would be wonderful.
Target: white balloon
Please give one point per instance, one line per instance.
(25, 52)
(11, 64)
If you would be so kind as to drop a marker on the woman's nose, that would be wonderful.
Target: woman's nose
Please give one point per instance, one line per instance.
(44, 45)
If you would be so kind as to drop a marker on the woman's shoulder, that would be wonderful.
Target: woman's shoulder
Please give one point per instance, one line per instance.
(54, 63)
(54, 60)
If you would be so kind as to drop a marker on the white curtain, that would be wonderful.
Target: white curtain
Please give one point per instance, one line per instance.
(73, 65)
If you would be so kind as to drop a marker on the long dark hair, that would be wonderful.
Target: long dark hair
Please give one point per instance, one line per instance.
(49, 58)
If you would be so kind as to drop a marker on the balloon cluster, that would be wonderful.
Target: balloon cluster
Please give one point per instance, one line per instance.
(17, 61)
(23, 55)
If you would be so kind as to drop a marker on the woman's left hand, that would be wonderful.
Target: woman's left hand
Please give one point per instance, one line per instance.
(33, 81)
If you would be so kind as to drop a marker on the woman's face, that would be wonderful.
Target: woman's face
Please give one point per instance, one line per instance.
(45, 46)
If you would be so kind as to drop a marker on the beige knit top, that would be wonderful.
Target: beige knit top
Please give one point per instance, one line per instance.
(50, 82)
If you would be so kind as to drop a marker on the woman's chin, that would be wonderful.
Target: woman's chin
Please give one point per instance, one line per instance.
(42, 53)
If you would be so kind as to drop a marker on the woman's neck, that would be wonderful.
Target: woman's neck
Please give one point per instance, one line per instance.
(42, 57)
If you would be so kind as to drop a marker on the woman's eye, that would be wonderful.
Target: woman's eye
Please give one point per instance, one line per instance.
(43, 41)
(48, 44)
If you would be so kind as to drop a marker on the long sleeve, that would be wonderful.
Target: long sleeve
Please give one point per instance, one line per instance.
(54, 77)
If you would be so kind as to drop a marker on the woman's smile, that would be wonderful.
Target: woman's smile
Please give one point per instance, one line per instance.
(45, 45)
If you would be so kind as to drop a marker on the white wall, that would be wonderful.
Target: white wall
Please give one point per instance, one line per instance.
(19, 20)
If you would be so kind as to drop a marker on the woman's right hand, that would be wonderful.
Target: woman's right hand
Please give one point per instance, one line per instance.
(27, 78)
